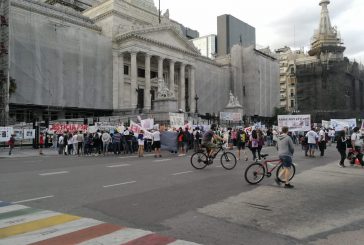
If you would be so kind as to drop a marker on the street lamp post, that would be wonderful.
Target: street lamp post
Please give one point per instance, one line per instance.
(196, 99)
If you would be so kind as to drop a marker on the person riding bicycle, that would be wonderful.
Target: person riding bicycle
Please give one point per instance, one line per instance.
(285, 151)
(207, 140)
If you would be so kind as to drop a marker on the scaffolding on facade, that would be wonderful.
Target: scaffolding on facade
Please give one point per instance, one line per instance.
(4, 61)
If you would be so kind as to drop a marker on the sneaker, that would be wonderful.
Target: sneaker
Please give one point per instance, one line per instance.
(340, 165)
(277, 181)
(289, 186)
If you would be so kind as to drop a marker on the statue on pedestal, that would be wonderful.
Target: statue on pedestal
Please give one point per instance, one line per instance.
(233, 101)
(163, 91)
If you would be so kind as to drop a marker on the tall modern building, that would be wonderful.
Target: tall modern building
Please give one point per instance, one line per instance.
(231, 31)
(207, 45)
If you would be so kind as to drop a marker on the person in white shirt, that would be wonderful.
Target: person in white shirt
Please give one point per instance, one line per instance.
(106, 140)
(312, 142)
(157, 143)
(75, 143)
(357, 143)
(322, 141)
(60, 144)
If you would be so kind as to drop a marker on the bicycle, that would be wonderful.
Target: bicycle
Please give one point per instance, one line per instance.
(200, 160)
(256, 171)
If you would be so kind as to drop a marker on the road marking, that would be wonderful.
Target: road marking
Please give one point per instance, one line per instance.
(125, 183)
(147, 155)
(36, 225)
(22, 219)
(54, 173)
(162, 160)
(187, 172)
(33, 199)
(52, 231)
(117, 166)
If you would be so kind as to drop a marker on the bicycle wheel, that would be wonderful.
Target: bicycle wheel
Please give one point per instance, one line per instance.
(254, 173)
(280, 176)
(199, 160)
(228, 160)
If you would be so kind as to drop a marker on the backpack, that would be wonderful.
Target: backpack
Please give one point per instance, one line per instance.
(198, 135)
(243, 137)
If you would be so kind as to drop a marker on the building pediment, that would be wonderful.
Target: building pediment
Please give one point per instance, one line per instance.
(163, 35)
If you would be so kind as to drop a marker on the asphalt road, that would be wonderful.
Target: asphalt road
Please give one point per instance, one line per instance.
(210, 206)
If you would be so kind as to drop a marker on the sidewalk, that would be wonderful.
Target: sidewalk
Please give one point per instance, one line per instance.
(26, 151)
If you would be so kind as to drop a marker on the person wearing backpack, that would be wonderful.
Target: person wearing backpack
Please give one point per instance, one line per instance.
(11, 143)
(196, 139)
(240, 141)
(254, 144)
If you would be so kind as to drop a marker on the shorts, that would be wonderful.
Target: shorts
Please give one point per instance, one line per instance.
(157, 144)
(286, 161)
(209, 145)
(241, 145)
(312, 146)
(181, 144)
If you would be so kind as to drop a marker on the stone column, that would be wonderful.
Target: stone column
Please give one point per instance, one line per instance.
(134, 77)
(115, 84)
(147, 96)
(192, 90)
(121, 80)
(182, 101)
(160, 68)
(171, 76)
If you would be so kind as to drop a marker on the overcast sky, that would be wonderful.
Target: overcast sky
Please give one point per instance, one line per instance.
(277, 22)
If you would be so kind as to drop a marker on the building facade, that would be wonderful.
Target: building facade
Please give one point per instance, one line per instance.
(116, 58)
(231, 31)
(329, 85)
(207, 45)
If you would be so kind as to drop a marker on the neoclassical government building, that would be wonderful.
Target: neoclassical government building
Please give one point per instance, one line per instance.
(118, 57)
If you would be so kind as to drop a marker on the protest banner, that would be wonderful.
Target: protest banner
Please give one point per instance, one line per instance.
(147, 123)
(19, 134)
(326, 124)
(5, 133)
(341, 124)
(29, 134)
(230, 116)
(177, 120)
(60, 128)
(295, 122)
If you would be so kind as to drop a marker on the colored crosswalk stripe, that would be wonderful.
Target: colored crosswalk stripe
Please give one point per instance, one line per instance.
(50, 232)
(18, 213)
(3, 204)
(24, 225)
(81, 235)
(36, 225)
(118, 237)
(152, 239)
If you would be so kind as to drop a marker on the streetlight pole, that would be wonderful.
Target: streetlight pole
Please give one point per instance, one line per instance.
(196, 99)
(159, 11)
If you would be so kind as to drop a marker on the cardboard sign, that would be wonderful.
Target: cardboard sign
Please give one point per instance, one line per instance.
(177, 120)
(29, 134)
(230, 116)
(5, 133)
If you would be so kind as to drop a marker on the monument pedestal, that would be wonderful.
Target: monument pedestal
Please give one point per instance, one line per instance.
(235, 109)
(165, 105)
